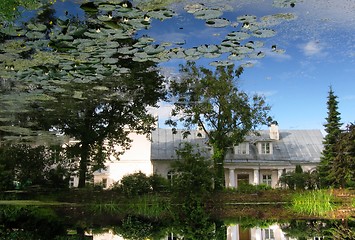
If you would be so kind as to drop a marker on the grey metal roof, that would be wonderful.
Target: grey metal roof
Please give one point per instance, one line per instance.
(293, 145)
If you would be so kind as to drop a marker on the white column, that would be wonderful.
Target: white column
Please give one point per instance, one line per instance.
(232, 178)
(233, 232)
(279, 173)
(256, 177)
(256, 233)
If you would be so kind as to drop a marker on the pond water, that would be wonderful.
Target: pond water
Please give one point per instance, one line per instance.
(46, 45)
(44, 223)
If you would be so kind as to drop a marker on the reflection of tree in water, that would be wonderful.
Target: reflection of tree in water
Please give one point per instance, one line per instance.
(329, 229)
(136, 228)
(30, 222)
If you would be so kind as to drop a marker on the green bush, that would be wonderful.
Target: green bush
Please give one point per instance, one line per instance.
(135, 184)
(158, 183)
(249, 188)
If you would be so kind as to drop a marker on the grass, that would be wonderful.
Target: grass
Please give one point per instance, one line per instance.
(31, 203)
(316, 202)
(151, 206)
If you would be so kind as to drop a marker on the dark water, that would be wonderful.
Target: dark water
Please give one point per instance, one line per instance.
(34, 222)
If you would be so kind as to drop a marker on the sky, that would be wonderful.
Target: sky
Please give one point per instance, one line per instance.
(319, 52)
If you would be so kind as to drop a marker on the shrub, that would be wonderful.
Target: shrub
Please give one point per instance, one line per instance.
(158, 183)
(135, 184)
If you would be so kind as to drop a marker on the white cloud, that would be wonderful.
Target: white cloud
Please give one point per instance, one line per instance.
(312, 48)
(163, 111)
(266, 93)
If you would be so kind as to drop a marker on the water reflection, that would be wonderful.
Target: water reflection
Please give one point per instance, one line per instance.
(50, 223)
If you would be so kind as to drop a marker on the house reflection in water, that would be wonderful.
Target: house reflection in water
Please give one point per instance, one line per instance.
(273, 232)
(234, 232)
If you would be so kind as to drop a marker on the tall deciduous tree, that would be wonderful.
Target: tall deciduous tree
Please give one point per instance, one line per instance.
(102, 113)
(332, 128)
(212, 100)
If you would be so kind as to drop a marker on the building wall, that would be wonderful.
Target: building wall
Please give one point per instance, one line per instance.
(135, 159)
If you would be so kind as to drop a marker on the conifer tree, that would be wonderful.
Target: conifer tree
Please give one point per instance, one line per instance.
(332, 128)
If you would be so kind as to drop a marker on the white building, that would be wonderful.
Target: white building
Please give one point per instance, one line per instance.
(261, 158)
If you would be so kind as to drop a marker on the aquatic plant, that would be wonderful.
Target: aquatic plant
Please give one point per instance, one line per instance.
(316, 202)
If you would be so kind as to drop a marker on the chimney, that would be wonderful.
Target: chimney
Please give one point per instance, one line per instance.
(274, 131)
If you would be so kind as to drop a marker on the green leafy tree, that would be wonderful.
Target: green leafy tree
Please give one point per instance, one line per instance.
(343, 167)
(332, 128)
(91, 90)
(212, 101)
(192, 173)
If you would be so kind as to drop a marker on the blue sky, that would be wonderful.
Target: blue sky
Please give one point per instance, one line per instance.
(319, 52)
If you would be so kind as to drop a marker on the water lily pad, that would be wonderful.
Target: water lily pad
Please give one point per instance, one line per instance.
(212, 55)
(207, 48)
(35, 35)
(194, 7)
(13, 31)
(246, 18)
(208, 14)
(104, 18)
(257, 55)
(243, 49)
(107, 7)
(236, 56)
(192, 52)
(247, 65)
(222, 63)
(127, 50)
(238, 35)
(161, 14)
(37, 27)
(153, 49)
(218, 22)
(263, 33)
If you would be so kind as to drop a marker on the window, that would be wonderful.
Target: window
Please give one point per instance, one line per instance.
(265, 148)
(242, 148)
(104, 182)
(267, 180)
(269, 234)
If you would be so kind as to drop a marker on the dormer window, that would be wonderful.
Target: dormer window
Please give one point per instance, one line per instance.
(242, 148)
(265, 148)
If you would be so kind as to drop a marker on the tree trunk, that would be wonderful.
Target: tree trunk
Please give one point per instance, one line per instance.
(83, 168)
(218, 160)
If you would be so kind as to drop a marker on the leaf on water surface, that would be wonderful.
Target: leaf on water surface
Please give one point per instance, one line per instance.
(218, 22)
(37, 27)
(207, 48)
(246, 18)
(35, 35)
(222, 63)
(208, 14)
(238, 35)
(264, 33)
(161, 14)
(236, 56)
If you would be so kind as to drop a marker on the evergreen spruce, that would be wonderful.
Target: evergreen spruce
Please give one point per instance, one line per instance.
(332, 128)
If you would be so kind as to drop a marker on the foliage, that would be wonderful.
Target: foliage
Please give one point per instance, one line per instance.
(139, 184)
(42, 223)
(315, 202)
(341, 231)
(305, 229)
(135, 184)
(299, 179)
(139, 228)
(250, 188)
(343, 167)
(29, 165)
(332, 128)
(212, 101)
(193, 176)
